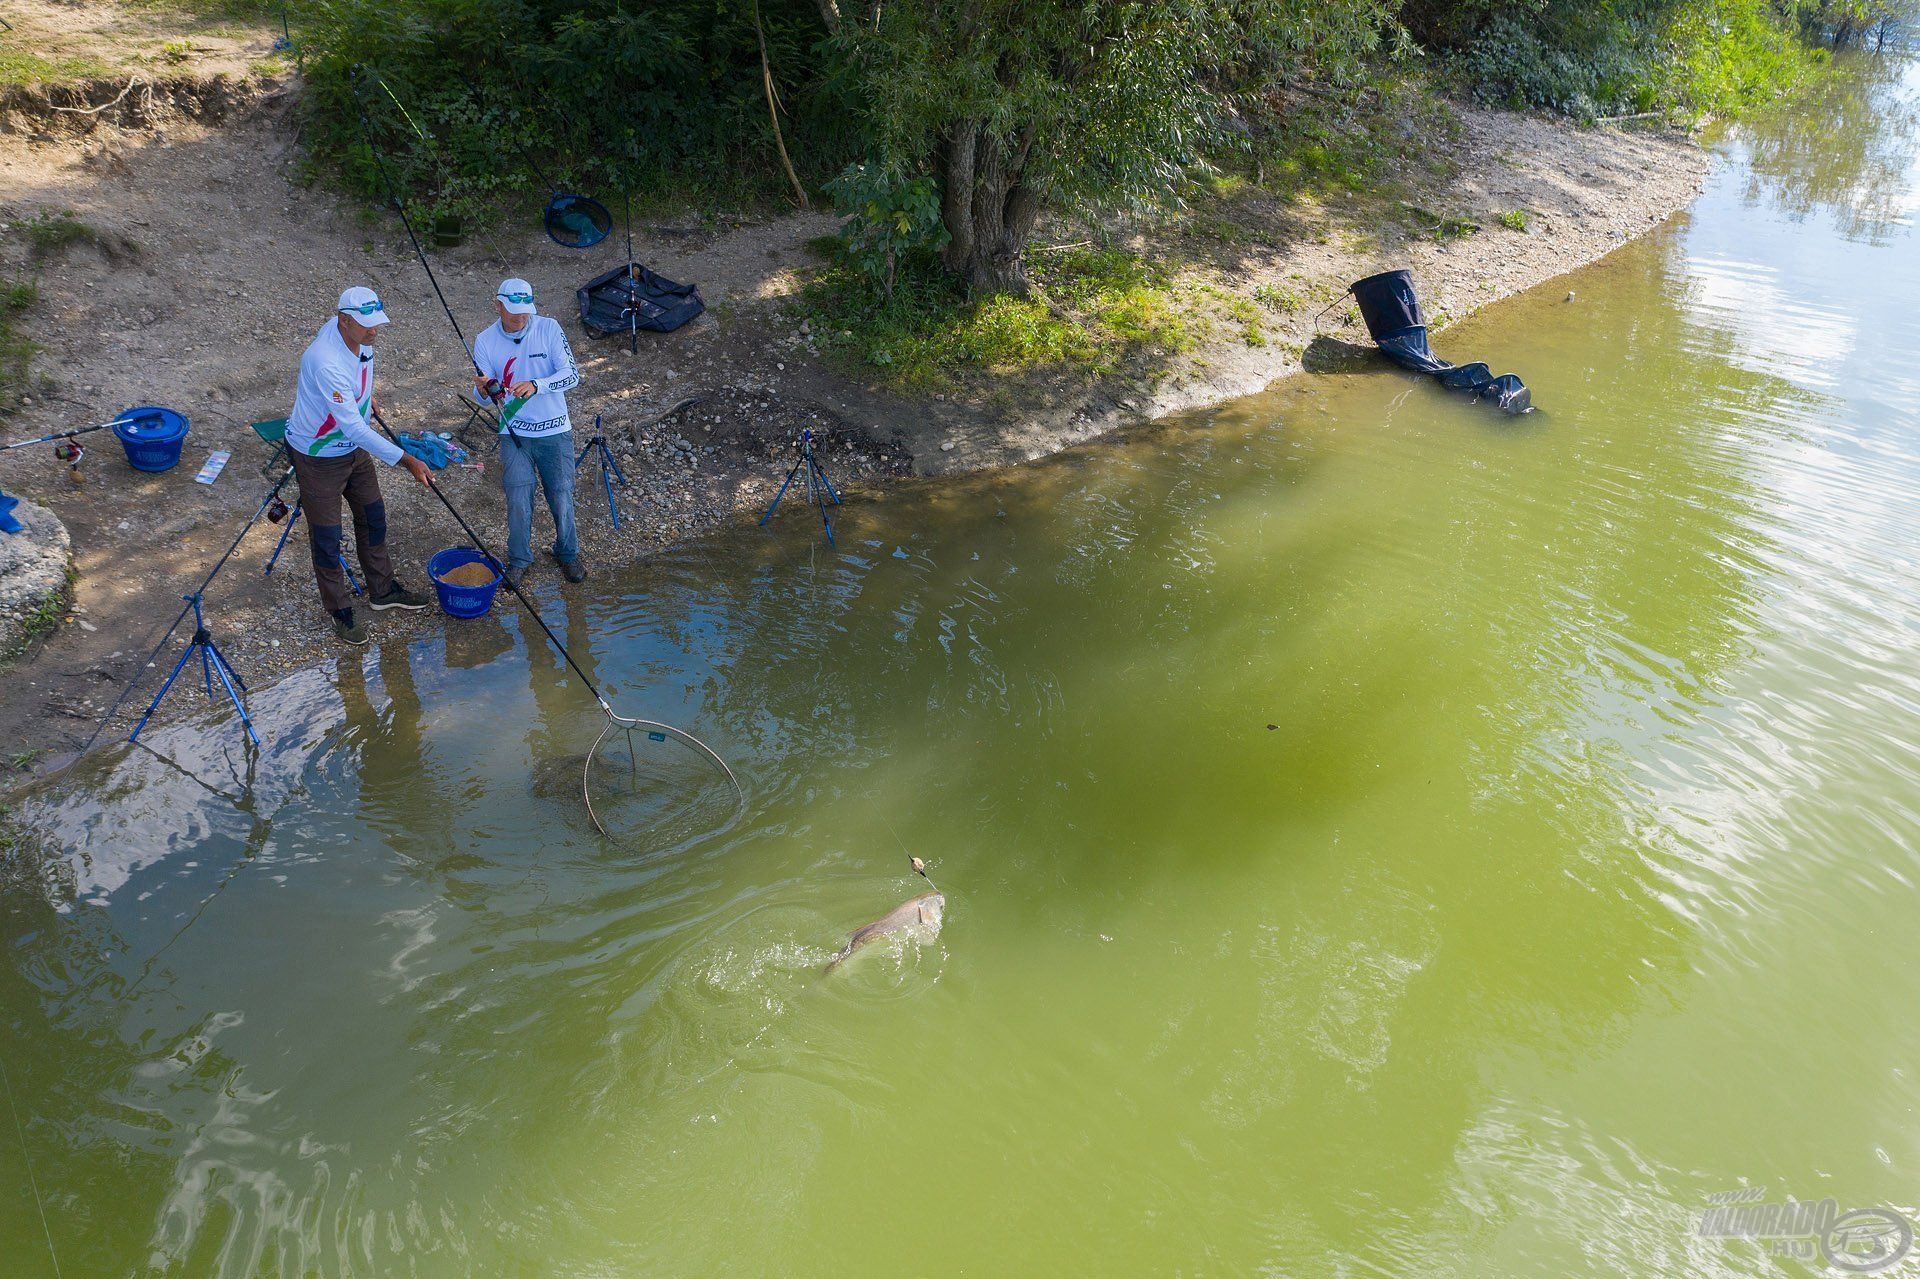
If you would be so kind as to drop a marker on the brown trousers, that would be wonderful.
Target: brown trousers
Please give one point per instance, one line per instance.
(323, 482)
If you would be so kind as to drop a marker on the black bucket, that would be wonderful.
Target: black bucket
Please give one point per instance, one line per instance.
(1388, 304)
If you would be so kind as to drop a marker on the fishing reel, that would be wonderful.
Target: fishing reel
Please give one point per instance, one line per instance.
(71, 452)
(494, 391)
(277, 510)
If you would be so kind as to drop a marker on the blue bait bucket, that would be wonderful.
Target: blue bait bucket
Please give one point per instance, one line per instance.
(462, 601)
(152, 437)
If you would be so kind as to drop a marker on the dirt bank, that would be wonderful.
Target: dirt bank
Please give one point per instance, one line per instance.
(211, 266)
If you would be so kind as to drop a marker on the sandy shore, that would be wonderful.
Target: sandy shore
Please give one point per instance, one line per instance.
(214, 265)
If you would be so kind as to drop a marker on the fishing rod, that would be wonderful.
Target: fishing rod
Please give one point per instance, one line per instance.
(614, 718)
(66, 435)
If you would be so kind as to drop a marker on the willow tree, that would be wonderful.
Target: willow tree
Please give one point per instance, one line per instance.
(1019, 106)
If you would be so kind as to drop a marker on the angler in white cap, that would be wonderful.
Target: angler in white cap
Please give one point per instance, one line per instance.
(525, 369)
(332, 441)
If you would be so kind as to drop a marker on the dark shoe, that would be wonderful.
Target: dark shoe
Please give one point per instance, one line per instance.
(512, 577)
(398, 596)
(348, 629)
(573, 570)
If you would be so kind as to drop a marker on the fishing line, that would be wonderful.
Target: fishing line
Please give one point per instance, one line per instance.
(919, 866)
(393, 193)
(418, 131)
(27, 1156)
(614, 719)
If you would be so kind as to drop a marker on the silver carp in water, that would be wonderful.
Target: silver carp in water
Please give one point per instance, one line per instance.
(918, 919)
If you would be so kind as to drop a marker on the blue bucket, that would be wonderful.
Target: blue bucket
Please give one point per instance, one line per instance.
(462, 601)
(152, 437)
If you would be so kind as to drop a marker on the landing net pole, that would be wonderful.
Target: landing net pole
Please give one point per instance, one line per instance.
(613, 717)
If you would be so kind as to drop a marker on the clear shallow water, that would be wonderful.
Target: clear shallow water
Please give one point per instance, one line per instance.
(1573, 882)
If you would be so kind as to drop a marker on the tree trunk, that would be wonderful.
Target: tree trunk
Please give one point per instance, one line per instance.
(988, 208)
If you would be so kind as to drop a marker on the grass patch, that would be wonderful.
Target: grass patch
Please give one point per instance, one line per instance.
(1285, 301)
(1380, 139)
(16, 349)
(18, 66)
(1442, 227)
(1091, 307)
(53, 232)
(1366, 138)
(1514, 219)
(212, 10)
(43, 620)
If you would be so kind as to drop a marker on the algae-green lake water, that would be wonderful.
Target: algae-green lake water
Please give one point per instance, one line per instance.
(1380, 837)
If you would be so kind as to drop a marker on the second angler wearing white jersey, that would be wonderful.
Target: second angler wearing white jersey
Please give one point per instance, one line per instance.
(539, 353)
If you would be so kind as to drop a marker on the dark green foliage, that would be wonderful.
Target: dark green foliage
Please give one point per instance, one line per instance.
(1018, 107)
(663, 99)
(888, 217)
(991, 113)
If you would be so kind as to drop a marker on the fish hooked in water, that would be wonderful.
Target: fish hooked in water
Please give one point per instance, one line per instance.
(918, 919)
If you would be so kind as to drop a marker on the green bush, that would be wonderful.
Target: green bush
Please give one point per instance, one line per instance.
(1590, 59)
(889, 217)
(1091, 306)
(664, 100)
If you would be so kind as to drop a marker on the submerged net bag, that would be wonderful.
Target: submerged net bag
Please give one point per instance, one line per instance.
(1397, 326)
(577, 221)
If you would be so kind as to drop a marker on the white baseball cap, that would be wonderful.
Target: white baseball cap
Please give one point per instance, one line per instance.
(364, 305)
(516, 295)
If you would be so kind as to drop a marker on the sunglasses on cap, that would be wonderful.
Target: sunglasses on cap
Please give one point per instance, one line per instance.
(518, 299)
(365, 308)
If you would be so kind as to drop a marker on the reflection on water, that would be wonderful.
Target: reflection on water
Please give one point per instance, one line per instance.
(1844, 151)
(1377, 838)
